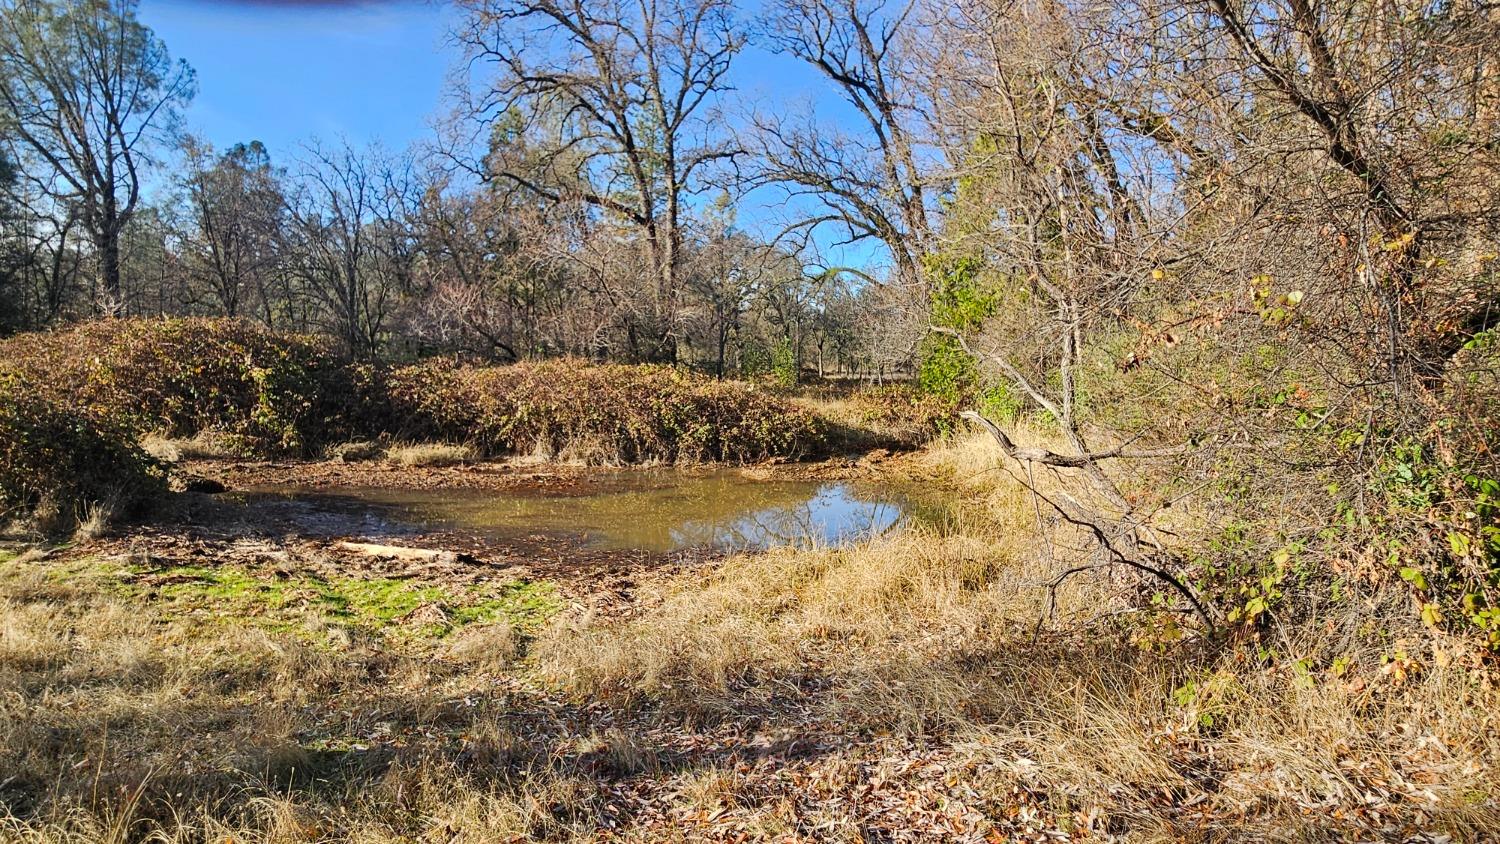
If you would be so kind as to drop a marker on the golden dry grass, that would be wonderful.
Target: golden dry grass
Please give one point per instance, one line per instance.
(897, 666)
(430, 454)
(924, 633)
(117, 724)
(206, 445)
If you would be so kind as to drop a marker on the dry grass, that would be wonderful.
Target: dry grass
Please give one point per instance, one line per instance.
(930, 634)
(206, 445)
(354, 452)
(430, 454)
(885, 670)
(119, 722)
(489, 648)
(880, 417)
(96, 520)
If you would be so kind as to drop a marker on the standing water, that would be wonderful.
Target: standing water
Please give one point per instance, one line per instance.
(660, 510)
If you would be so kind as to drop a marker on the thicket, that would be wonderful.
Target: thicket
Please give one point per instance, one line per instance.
(52, 458)
(276, 394)
(610, 413)
(272, 393)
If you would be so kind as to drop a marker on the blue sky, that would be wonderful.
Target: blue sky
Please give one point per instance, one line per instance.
(286, 72)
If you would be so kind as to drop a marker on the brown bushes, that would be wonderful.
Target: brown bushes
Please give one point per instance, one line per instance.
(75, 401)
(274, 392)
(612, 413)
(53, 456)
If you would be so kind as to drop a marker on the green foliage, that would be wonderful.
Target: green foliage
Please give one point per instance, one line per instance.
(962, 299)
(784, 367)
(946, 372)
(49, 453)
(755, 358)
(999, 403)
(1442, 526)
(961, 296)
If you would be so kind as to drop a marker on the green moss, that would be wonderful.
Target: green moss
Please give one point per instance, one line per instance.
(380, 605)
(525, 604)
(373, 603)
(224, 585)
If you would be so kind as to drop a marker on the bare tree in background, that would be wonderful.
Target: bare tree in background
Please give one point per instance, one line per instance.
(500, 274)
(87, 90)
(349, 247)
(629, 92)
(235, 210)
(868, 181)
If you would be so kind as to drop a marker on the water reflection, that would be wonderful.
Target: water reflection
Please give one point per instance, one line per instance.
(653, 511)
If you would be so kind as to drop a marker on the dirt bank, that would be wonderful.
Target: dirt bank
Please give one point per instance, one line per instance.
(512, 475)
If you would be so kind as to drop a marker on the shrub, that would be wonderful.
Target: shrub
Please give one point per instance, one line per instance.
(253, 391)
(906, 415)
(49, 454)
(612, 413)
(273, 393)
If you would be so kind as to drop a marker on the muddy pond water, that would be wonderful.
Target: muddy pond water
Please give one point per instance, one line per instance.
(648, 510)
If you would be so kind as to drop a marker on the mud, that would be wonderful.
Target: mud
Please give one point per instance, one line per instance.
(283, 538)
(511, 475)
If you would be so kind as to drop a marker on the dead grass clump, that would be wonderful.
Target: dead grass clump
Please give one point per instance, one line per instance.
(431, 454)
(354, 452)
(487, 647)
(96, 520)
(205, 445)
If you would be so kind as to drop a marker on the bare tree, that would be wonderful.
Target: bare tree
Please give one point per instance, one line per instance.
(870, 181)
(87, 90)
(629, 91)
(348, 248)
(235, 208)
(1400, 102)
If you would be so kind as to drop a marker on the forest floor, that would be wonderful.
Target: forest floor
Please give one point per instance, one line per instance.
(225, 674)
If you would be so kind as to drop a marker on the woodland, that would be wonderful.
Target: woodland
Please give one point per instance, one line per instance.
(1175, 325)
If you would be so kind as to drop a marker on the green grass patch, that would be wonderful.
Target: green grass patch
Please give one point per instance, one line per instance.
(380, 605)
(525, 604)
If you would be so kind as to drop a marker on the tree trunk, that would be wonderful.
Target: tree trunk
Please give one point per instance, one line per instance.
(111, 304)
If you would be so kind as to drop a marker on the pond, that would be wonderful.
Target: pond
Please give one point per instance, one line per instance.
(649, 510)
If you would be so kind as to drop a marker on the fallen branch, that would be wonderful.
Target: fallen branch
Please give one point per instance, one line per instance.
(1079, 519)
(399, 552)
(1067, 461)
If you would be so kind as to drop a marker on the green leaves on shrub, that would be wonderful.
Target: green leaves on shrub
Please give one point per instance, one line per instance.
(50, 453)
